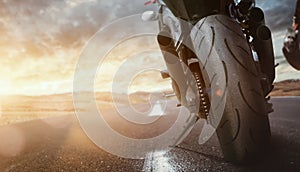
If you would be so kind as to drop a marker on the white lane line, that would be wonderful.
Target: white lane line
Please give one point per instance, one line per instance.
(148, 162)
(157, 110)
(158, 162)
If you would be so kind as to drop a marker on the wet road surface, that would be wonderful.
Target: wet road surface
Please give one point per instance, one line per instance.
(59, 144)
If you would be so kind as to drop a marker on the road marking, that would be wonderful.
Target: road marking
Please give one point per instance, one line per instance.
(158, 162)
(157, 110)
(148, 162)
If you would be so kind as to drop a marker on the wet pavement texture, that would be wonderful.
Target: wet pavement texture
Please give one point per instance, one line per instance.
(59, 144)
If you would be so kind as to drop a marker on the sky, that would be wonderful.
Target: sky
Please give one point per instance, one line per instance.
(41, 40)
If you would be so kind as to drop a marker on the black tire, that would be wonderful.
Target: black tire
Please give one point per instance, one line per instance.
(222, 48)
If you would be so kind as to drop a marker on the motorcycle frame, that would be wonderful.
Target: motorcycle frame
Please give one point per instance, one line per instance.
(179, 31)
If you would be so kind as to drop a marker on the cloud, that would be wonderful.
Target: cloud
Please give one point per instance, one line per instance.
(41, 40)
(278, 13)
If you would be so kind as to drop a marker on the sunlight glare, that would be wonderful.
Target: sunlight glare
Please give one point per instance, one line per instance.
(5, 87)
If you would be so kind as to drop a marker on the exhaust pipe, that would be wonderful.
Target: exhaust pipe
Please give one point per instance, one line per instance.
(264, 48)
(257, 18)
(262, 42)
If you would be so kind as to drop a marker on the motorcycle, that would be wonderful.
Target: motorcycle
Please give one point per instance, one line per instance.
(228, 49)
(291, 49)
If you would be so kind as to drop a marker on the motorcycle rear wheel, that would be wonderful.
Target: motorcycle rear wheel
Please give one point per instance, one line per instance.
(243, 129)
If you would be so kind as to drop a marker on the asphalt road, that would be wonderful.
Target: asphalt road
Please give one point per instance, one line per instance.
(59, 144)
